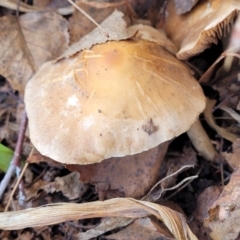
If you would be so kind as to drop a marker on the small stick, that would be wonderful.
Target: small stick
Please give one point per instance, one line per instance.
(15, 164)
(89, 17)
(16, 185)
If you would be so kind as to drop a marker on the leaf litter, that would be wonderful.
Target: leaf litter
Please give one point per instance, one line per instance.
(216, 207)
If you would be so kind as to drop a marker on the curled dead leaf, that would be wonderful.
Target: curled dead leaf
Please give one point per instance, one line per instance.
(224, 214)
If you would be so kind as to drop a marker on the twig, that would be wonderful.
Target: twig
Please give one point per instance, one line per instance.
(16, 185)
(15, 164)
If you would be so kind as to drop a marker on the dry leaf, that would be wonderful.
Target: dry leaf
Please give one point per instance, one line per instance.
(32, 191)
(23, 7)
(15, 60)
(49, 40)
(63, 7)
(79, 25)
(233, 158)
(207, 75)
(26, 46)
(205, 24)
(204, 202)
(130, 176)
(69, 185)
(142, 228)
(224, 214)
(37, 157)
(114, 25)
(184, 6)
(223, 132)
(106, 225)
(41, 3)
(118, 207)
(26, 236)
(228, 86)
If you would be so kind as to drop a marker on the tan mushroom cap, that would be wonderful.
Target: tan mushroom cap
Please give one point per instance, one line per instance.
(117, 99)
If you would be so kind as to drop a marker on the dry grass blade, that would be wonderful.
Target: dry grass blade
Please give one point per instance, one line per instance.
(118, 207)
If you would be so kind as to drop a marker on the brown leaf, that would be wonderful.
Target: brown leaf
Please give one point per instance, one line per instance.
(233, 158)
(228, 86)
(114, 25)
(224, 214)
(63, 7)
(184, 6)
(142, 228)
(36, 157)
(106, 225)
(43, 44)
(80, 25)
(15, 61)
(204, 202)
(25, 45)
(118, 207)
(69, 185)
(23, 7)
(204, 25)
(32, 191)
(130, 176)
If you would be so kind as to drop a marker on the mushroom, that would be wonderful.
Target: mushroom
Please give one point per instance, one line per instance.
(195, 31)
(118, 98)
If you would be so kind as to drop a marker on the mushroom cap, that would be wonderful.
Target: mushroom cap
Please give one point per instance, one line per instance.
(116, 99)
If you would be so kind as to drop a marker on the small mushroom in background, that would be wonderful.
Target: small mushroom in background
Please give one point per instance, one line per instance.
(118, 98)
(197, 30)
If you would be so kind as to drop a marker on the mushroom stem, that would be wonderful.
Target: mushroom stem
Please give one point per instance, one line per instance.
(201, 141)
